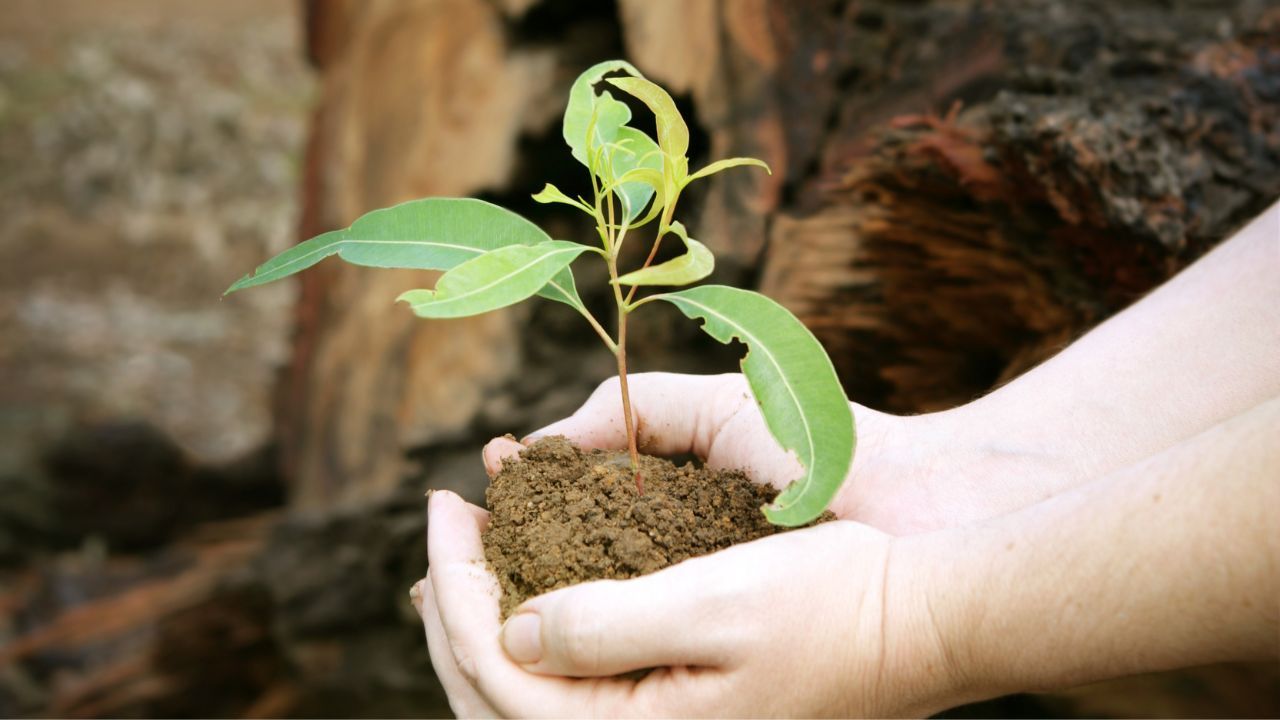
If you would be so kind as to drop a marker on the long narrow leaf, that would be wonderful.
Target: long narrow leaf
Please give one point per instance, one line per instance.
(795, 385)
(493, 280)
(695, 264)
(719, 165)
(673, 133)
(427, 234)
(562, 288)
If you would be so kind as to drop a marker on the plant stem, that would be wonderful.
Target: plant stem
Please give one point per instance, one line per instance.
(612, 240)
(595, 325)
(621, 354)
(663, 223)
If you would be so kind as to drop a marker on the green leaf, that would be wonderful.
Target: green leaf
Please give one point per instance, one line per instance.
(719, 165)
(639, 152)
(426, 234)
(552, 194)
(652, 177)
(493, 280)
(673, 134)
(795, 385)
(604, 118)
(562, 288)
(688, 268)
(583, 101)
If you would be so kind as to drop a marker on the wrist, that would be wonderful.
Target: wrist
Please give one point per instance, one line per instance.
(926, 630)
(940, 606)
(921, 473)
(996, 463)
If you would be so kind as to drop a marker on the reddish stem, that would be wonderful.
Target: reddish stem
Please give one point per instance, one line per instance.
(626, 399)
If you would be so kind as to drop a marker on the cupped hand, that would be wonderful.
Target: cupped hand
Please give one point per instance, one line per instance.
(796, 623)
(910, 474)
(805, 623)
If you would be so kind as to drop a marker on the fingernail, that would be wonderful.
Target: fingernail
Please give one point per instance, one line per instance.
(415, 596)
(522, 638)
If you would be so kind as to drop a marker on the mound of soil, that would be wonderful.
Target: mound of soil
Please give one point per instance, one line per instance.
(562, 516)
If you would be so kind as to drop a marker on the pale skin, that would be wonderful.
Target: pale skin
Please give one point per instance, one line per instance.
(1112, 511)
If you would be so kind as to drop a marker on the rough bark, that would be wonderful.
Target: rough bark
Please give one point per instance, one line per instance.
(1093, 151)
(419, 98)
(948, 254)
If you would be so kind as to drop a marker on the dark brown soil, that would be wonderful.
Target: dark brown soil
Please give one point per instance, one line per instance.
(561, 516)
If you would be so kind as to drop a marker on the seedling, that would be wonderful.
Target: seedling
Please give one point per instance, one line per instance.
(493, 258)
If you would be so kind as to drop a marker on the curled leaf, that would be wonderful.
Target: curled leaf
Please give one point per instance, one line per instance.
(583, 101)
(635, 151)
(725, 164)
(795, 385)
(695, 264)
(493, 280)
(673, 133)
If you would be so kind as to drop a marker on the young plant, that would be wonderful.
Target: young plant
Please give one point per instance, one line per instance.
(494, 258)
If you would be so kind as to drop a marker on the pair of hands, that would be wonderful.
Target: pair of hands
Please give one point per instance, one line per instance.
(1057, 502)
(758, 629)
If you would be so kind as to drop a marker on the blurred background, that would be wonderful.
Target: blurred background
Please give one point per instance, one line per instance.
(213, 507)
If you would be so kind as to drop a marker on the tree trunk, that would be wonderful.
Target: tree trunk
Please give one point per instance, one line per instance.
(958, 189)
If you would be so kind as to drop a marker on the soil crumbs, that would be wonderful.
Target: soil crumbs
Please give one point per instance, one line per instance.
(562, 515)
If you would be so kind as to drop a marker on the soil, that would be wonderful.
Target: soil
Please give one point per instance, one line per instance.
(562, 516)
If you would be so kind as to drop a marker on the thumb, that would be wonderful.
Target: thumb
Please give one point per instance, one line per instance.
(673, 413)
(497, 451)
(610, 627)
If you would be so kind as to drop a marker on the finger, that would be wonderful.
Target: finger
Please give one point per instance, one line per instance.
(415, 596)
(675, 617)
(674, 413)
(465, 593)
(745, 443)
(466, 598)
(712, 416)
(455, 561)
(464, 700)
(497, 451)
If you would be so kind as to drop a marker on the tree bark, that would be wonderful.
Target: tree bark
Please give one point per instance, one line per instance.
(959, 189)
(956, 192)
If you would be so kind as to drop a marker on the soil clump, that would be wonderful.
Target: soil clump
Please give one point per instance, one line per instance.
(562, 516)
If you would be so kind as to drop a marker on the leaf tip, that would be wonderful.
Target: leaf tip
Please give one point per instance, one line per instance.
(240, 284)
(783, 512)
(778, 516)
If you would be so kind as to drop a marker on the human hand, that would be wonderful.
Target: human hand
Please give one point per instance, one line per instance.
(898, 466)
(764, 628)
(910, 474)
(842, 619)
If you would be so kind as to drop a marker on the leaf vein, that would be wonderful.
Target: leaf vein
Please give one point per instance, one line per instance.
(753, 343)
(498, 280)
(340, 243)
